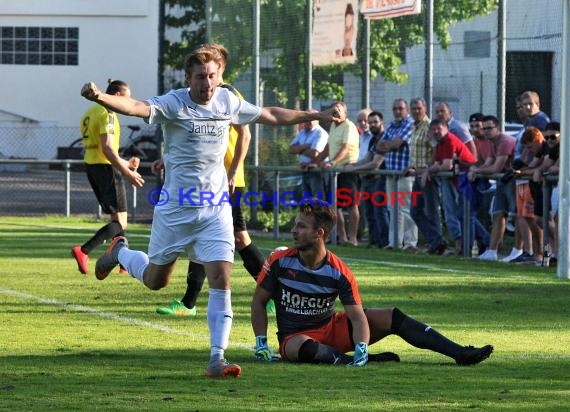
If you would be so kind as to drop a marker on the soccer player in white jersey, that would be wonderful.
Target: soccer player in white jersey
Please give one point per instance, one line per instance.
(195, 214)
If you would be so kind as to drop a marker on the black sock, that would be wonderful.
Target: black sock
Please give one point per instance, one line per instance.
(252, 259)
(107, 232)
(195, 281)
(423, 336)
(314, 352)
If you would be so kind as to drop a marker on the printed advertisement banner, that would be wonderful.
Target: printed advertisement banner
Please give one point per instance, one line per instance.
(334, 32)
(383, 9)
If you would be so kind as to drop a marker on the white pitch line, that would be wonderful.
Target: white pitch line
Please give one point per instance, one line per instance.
(113, 316)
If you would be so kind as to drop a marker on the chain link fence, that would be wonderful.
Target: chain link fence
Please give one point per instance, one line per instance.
(465, 75)
(34, 180)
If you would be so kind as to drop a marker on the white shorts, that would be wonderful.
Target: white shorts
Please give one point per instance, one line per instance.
(205, 233)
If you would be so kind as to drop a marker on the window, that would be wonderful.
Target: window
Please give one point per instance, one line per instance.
(477, 43)
(529, 70)
(39, 45)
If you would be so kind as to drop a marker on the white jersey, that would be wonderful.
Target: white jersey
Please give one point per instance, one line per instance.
(195, 143)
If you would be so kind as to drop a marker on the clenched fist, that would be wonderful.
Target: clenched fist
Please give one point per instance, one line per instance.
(90, 91)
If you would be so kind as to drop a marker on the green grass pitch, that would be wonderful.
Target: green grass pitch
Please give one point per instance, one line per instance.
(71, 342)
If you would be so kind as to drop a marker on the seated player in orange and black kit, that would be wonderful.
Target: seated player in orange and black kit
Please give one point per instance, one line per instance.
(305, 281)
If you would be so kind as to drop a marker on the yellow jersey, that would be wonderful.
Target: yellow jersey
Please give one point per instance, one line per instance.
(96, 121)
(230, 152)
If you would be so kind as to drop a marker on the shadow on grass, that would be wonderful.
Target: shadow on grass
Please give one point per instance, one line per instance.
(173, 380)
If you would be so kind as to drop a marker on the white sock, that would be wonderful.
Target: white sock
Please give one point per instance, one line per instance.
(220, 317)
(134, 261)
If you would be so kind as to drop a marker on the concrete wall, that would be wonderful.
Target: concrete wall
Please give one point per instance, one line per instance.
(117, 39)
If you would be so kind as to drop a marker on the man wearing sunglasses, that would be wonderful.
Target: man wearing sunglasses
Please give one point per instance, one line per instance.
(502, 152)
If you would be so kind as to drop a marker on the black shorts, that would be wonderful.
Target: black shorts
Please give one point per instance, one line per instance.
(349, 182)
(536, 192)
(237, 214)
(108, 186)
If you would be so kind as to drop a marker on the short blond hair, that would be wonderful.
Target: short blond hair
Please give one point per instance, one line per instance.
(531, 95)
(206, 53)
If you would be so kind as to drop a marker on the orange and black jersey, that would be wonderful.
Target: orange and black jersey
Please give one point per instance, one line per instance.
(305, 298)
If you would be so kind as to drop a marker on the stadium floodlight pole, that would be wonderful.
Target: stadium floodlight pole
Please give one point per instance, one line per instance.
(502, 61)
(257, 99)
(366, 64)
(563, 176)
(308, 54)
(208, 6)
(428, 74)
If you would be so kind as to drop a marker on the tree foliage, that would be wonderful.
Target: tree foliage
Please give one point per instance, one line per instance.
(283, 38)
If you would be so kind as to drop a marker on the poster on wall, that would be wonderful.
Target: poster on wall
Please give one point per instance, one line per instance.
(384, 9)
(334, 32)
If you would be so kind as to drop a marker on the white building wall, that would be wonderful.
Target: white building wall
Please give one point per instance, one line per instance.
(117, 39)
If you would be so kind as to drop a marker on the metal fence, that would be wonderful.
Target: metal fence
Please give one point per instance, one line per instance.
(60, 187)
(39, 188)
(465, 73)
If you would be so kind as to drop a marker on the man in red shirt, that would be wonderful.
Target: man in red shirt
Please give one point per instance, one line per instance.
(451, 153)
(447, 149)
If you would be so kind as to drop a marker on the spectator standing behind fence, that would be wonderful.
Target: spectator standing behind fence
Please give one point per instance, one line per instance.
(101, 134)
(524, 228)
(503, 149)
(426, 210)
(484, 194)
(551, 166)
(534, 147)
(456, 127)
(196, 122)
(298, 277)
(544, 159)
(450, 196)
(343, 148)
(365, 136)
(309, 144)
(448, 152)
(395, 143)
(377, 231)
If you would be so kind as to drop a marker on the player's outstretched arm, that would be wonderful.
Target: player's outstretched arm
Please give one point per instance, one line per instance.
(120, 104)
(280, 116)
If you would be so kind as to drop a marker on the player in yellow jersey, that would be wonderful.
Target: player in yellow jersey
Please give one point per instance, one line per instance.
(239, 138)
(101, 134)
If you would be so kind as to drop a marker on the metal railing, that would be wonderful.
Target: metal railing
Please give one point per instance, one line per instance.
(66, 165)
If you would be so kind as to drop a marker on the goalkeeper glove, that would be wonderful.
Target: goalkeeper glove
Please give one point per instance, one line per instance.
(360, 354)
(262, 351)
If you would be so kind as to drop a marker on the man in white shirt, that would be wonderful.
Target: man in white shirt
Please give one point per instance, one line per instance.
(309, 145)
(194, 214)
